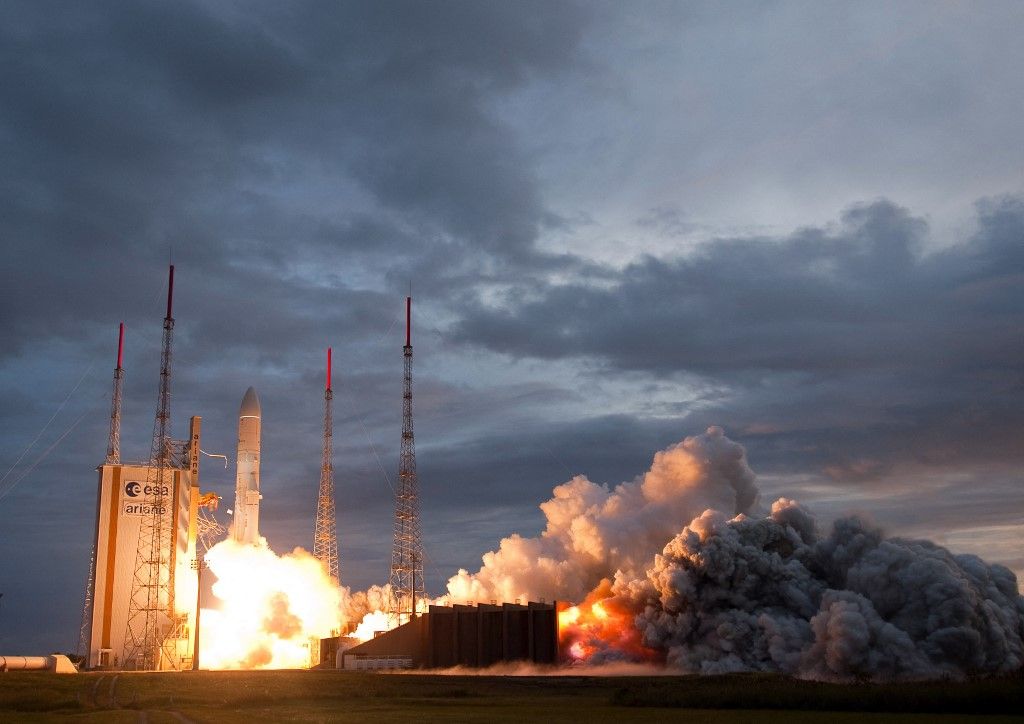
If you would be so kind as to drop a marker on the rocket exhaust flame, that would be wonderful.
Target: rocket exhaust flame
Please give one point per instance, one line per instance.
(601, 630)
(270, 608)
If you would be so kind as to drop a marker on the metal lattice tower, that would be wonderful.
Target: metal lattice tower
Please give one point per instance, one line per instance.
(407, 555)
(325, 533)
(114, 441)
(113, 458)
(84, 631)
(151, 607)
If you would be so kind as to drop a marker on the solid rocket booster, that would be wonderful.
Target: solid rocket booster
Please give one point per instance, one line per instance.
(247, 476)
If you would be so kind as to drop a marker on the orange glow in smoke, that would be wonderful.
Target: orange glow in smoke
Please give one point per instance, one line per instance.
(602, 623)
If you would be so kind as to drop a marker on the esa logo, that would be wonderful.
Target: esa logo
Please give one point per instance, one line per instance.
(134, 489)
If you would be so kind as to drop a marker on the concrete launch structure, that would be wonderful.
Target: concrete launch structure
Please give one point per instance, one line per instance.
(446, 636)
(245, 527)
(125, 497)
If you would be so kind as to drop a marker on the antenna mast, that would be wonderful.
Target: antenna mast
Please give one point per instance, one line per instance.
(407, 555)
(114, 441)
(151, 607)
(325, 533)
(113, 458)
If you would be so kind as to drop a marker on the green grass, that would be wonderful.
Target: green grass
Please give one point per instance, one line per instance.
(326, 696)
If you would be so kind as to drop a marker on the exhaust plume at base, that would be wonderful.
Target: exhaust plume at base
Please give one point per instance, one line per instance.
(770, 595)
(678, 567)
(593, 531)
(270, 608)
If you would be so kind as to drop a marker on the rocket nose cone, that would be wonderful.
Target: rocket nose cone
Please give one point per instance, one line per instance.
(250, 404)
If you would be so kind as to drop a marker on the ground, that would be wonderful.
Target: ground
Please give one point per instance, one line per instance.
(322, 696)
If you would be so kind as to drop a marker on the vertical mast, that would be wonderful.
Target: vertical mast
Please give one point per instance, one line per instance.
(114, 441)
(325, 532)
(151, 606)
(113, 458)
(407, 555)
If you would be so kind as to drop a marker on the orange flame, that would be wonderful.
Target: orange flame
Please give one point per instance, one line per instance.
(272, 609)
(602, 626)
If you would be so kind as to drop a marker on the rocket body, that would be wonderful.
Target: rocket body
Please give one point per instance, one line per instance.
(245, 528)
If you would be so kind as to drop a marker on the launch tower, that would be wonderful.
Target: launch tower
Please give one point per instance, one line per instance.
(325, 532)
(113, 458)
(407, 554)
(151, 606)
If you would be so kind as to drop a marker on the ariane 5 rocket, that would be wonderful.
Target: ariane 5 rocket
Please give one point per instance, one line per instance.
(245, 528)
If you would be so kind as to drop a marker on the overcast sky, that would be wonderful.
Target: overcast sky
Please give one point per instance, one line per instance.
(622, 222)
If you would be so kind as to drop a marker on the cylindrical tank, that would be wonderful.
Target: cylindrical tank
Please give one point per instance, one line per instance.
(24, 663)
(57, 663)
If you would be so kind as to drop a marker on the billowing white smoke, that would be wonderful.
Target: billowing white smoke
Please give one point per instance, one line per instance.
(593, 531)
(709, 592)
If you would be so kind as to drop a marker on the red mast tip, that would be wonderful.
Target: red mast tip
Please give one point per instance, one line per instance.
(120, 345)
(328, 368)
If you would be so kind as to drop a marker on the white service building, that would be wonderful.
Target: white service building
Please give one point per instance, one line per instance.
(125, 498)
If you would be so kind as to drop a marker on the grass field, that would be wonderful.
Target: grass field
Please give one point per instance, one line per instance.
(285, 696)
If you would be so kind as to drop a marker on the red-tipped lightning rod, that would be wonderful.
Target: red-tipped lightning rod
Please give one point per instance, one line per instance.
(170, 292)
(408, 321)
(120, 345)
(328, 368)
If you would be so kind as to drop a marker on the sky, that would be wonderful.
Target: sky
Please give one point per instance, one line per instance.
(621, 223)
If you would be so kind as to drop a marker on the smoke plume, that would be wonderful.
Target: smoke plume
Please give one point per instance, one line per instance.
(678, 567)
(593, 531)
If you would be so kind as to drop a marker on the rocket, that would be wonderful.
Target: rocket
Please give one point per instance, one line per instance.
(247, 471)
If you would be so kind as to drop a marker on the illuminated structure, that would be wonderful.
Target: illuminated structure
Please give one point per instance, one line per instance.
(145, 539)
(113, 458)
(469, 636)
(325, 531)
(125, 502)
(406, 579)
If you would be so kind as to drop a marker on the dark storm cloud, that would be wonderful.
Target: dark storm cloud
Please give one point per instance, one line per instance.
(853, 338)
(138, 127)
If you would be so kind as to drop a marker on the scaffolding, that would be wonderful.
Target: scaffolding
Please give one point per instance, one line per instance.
(151, 617)
(325, 531)
(406, 580)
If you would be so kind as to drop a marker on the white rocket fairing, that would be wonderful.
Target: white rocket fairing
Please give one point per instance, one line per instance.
(245, 528)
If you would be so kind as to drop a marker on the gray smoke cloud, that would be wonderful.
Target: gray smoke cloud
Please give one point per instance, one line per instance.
(769, 594)
(737, 590)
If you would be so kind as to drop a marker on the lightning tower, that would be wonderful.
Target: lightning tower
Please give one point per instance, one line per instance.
(114, 441)
(407, 555)
(151, 606)
(113, 458)
(325, 533)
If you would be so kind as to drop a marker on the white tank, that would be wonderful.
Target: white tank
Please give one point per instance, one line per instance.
(57, 663)
(245, 528)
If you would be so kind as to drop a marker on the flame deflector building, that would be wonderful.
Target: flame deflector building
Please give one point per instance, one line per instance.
(447, 636)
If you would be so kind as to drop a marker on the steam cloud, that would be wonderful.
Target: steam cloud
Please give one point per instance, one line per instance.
(668, 575)
(593, 531)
